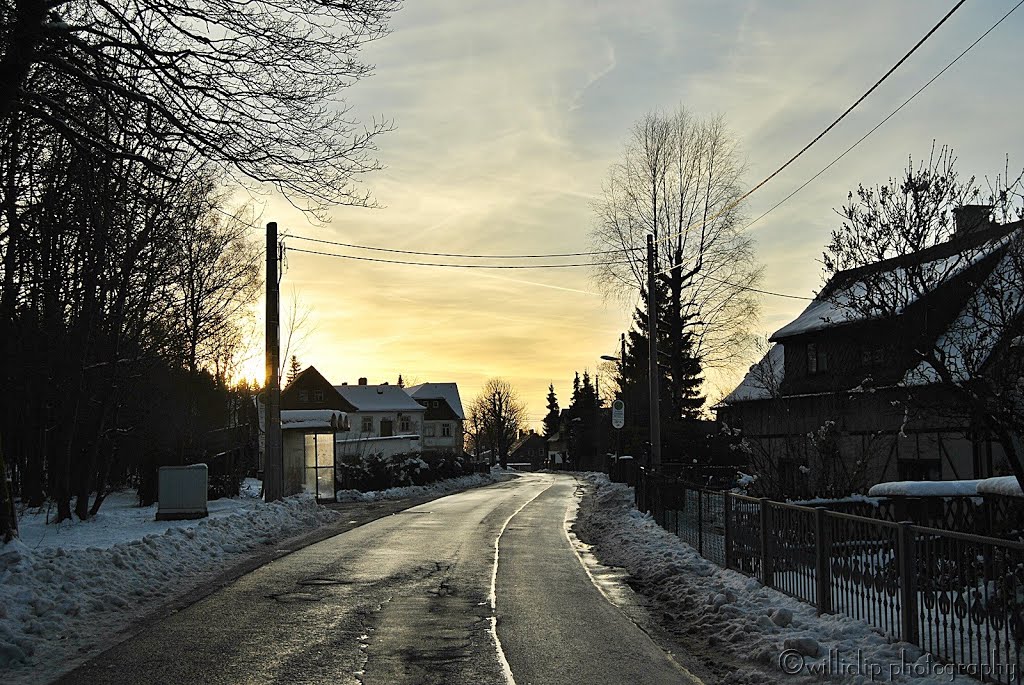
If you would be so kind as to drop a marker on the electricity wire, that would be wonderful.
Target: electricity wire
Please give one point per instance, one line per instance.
(735, 203)
(885, 120)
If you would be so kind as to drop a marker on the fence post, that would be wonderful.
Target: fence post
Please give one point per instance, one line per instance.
(700, 522)
(766, 551)
(727, 538)
(905, 554)
(822, 563)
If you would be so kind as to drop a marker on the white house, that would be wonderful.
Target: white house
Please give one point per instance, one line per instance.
(443, 417)
(385, 420)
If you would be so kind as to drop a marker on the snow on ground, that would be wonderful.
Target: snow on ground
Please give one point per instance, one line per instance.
(437, 489)
(65, 590)
(734, 616)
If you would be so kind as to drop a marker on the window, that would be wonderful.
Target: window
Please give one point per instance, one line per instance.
(817, 360)
(367, 424)
(403, 424)
(434, 403)
(303, 396)
(428, 431)
(446, 429)
(318, 395)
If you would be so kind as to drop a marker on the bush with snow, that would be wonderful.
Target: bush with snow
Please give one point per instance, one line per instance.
(377, 472)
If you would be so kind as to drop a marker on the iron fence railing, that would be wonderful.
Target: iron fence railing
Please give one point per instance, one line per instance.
(958, 595)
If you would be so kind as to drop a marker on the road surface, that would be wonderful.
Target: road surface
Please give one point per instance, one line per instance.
(479, 587)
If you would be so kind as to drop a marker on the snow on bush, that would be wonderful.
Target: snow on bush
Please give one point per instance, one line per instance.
(57, 600)
(439, 488)
(724, 610)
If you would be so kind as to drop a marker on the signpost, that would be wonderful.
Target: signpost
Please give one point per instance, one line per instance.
(618, 414)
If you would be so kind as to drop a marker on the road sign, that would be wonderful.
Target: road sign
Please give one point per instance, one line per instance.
(618, 414)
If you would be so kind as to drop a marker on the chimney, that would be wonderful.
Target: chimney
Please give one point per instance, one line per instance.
(362, 381)
(344, 382)
(970, 218)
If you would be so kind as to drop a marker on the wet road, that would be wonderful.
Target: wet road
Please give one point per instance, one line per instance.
(479, 587)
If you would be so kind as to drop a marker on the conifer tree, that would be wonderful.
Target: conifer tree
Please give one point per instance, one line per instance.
(551, 421)
(294, 368)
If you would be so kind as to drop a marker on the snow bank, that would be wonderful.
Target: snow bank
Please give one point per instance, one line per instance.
(64, 590)
(1006, 486)
(727, 613)
(926, 488)
(439, 488)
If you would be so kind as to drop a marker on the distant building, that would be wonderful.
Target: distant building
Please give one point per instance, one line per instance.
(529, 448)
(443, 417)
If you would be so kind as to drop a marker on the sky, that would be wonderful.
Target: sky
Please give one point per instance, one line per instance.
(508, 116)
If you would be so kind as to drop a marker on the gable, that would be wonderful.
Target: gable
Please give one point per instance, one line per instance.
(310, 390)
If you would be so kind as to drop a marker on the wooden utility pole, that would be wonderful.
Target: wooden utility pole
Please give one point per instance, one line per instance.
(652, 362)
(273, 463)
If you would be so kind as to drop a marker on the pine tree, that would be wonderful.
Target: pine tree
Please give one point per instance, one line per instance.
(293, 369)
(552, 419)
(679, 381)
(401, 381)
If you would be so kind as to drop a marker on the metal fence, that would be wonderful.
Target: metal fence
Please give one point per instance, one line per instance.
(958, 595)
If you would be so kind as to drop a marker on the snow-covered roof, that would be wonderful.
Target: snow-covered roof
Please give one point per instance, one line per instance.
(448, 392)
(969, 341)
(763, 379)
(378, 398)
(311, 419)
(899, 285)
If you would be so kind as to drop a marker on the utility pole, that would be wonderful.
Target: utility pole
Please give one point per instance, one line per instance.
(273, 466)
(652, 368)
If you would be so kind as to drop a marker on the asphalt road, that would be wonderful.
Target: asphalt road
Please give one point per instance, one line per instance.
(479, 587)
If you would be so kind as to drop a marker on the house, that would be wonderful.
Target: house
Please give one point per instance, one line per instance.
(443, 417)
(848, 380)
(385, 420)
(529, 450)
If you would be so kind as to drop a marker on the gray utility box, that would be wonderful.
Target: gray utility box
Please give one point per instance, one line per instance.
(182, 492)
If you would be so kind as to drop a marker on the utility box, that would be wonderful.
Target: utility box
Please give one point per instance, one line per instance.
(182, 492)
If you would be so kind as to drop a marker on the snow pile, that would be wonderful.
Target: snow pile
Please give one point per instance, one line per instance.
(437, 488)
(1006, 486)
(925, 488)
(64, 592)
(729, 614)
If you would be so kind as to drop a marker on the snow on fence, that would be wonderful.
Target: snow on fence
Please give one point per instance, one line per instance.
(957, 595)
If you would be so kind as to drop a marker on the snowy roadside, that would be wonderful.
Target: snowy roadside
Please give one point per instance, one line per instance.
(437, 489)
(709, 609)
(66, 591)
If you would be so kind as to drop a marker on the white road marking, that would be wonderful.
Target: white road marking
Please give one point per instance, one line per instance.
(493, 596)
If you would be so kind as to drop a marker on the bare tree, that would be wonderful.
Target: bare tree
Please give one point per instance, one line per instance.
(217, 277)
(497, 414)
(974, 356)
(254, 87)
(679, 180)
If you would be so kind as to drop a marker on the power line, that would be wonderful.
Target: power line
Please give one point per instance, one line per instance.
(454, 266)
(735, 203)
(885, 120)
(457, 254)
